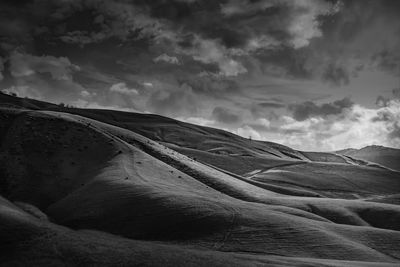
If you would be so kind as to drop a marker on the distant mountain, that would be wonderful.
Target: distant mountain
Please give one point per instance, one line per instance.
(385, 156)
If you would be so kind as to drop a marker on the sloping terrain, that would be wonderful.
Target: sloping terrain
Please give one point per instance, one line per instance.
(386, 156)
(95, 187)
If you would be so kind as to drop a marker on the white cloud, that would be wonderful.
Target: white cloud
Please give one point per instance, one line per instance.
(24, 91)
(81, 103)
(123, 89)
(263, 122)
(354, 127)
(197, 120)
(166, 58)
(22, 65)
(148, 84)
(83, 38)
(211, 52)
(261, 41)
(303, 24)
(357, 127)
(248, 132)
(85, 94)
(230, 67)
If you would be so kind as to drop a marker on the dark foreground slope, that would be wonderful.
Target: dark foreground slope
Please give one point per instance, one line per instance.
(111, 191)
(386, 156)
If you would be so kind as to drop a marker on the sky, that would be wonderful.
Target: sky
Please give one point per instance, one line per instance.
(315, 75)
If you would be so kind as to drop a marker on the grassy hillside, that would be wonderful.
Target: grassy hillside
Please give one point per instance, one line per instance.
(386, 156)
(96, 187)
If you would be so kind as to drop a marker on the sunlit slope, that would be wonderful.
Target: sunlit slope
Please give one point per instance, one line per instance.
(333, 179)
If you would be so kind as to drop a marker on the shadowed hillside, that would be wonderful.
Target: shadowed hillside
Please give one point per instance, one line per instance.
(99, 187)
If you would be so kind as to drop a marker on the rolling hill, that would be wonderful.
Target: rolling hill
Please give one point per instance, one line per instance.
(386, 156)
(103, 187)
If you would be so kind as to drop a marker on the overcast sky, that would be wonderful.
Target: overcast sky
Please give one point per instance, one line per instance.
(310, 74)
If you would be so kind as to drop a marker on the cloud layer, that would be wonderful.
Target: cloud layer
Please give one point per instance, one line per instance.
(304, 73)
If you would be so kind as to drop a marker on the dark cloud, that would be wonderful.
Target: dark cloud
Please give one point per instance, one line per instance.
(266, 109)
(210, 40)
(183, 58)
(396, 92)
(284, 33)
(276, 32)
(211, 85)
(364, 30)
(388, 60)
(309, 109)
(1, 68)
(382, 101)
(363, 34)
(174, 102)
(225, 115)
(271, 105)
(337, 75)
